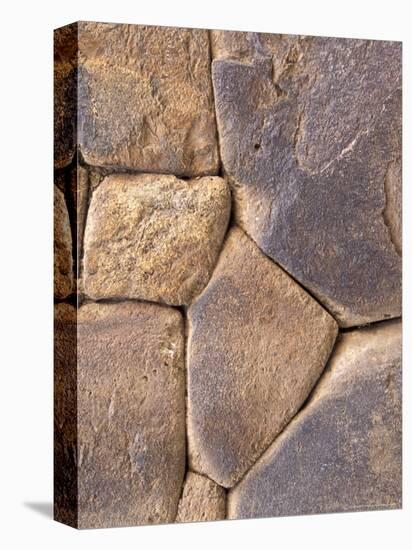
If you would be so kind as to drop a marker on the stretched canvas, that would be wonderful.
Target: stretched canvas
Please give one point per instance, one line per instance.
(227, 218)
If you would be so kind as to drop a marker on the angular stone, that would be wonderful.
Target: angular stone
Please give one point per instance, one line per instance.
(342, 452)
(202, 500)
(63, 260)
(145, 99)
(257, 343)
(65, 94)
(131, 414)
(154, 237)
(310, 137)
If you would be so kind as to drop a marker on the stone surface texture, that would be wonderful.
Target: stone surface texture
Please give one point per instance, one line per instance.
(65, 94)
(227, 274)
(201, 500)
(63, 259)
(154, 237)
(146, 100)
(80, 193)
(131, 414)
(310, 138)
(65, 414)
(257, 343)
(342, 452)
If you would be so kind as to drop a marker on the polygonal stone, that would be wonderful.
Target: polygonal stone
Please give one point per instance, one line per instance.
(310, 137)
(130, 414)
(145, 99)
(63, 259)
(202, 500)
(257, 343)
(154, 237)
(342, 452)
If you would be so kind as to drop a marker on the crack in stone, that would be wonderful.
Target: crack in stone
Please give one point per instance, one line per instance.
(389, 206)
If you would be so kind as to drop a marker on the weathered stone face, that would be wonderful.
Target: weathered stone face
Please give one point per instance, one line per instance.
(202, 500)
(63, 260)
(154, 237)
(65, 94)
(310, 138)
(257, 343)
(131, 414)
(342, 452)
(239, 402)
(65, 414)
(145, 99)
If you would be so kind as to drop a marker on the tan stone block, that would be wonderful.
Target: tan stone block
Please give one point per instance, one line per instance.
(145, 99)
(257, 343)
(154, 237)
(131, 414)
(343, 451)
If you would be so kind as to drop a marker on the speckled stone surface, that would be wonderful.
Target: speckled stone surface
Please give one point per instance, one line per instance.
(146, 100)
(154, 237)
(131, 414)
(201, 500)
(227, 274)
(257, 343)
(310, 136)
(343, 451)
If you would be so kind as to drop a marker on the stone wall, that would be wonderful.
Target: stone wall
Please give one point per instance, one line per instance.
(227, 214)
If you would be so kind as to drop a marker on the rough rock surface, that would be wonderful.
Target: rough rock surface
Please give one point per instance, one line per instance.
(154, 237)
(257, 343)
(202, 500)
(65, 414)
(80, 193)
(131, 414)
(310, 138)
(146, 100)
(63, 260)
(65, 94)
(342, 452)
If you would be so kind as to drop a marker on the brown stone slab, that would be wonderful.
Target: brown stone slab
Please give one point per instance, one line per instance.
(154, 237)
(126, 362)
(310, 137)
(146, 100)
(342, 452)
(257, 344)
(131, 414)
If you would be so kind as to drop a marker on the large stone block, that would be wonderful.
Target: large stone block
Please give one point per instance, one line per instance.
(310, 136)
(342, 452)
(257, 344)
(154, 237)
(146, 100)
(128, 442)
